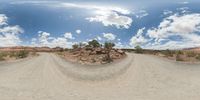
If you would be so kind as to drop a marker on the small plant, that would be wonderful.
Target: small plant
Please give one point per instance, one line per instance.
(75, 46)
(22, 54)
(178, 57)
(191, 54)
(94, 44)
(138, 49)
(108, 46)
(168, 53)
(1, 57)
(179, 52)
(198, 57)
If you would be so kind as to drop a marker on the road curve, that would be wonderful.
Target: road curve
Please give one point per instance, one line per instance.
(138, 77)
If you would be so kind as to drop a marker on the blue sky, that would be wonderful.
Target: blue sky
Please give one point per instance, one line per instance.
(154, 24)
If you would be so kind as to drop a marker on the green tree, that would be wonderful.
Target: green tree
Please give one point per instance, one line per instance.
(138, 49)
(108, 46)
(75, 46)
(94, 44)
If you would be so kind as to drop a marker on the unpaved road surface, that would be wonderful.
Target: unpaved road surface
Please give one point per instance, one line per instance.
(138, 77)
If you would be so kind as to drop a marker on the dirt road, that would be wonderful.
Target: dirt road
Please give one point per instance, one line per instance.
(139, 77)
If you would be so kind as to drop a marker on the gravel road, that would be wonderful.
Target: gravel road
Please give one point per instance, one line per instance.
(138, 77)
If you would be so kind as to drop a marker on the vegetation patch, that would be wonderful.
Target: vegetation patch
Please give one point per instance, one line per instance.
(93, 53)
(13, 55)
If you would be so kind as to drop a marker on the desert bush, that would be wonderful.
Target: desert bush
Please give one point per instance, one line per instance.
(168, 53)
(138, 49)
(22, 54)
(198, 57)
(179, 52)
(190, 54)
(94, 44)
(1, 56)
(75, 46)
(108, 46)
(178, 57)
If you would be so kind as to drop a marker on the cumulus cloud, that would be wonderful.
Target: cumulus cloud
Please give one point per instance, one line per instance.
(111, 18)
(167, 12)
(68, 35)
(3, 19)
(45, 39)
(9, 35)
(109, 36)
(141, 14)
(138, 39)
(184, 26)
(78, 31)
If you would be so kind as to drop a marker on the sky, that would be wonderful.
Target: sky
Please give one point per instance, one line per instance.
(152, 24)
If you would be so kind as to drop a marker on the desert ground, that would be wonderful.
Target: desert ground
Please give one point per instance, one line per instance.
(138, 77)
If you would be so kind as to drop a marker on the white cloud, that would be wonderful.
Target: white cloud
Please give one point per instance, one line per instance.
(184, 26)
(183, 10)
(111, 18)
(3, 19)
(184, 2)
(9, 35)
(109, 36)
(141, 14)
(95, 7)
(68, 35)
(78, 31)
(99, 38)
(138, 39)
(167, 12)
(45, 39)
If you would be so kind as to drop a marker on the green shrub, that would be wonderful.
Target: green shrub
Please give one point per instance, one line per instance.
(1, 57)
(75, 46)
(94, 44)
(138, 49)
(179, 52)
(178, 58)
(168, 53)
(22, 54)
(109, 45)
(198, 57)
(191, 54)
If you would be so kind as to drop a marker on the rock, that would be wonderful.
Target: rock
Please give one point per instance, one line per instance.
(83, 59)
(120, 51)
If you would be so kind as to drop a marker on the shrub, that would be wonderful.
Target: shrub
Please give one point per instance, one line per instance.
(109, 45)
(191, 54)
(179, 52)
(1, 57)
(168, 53)
(178, 58)
(94, 44)
(198, 57)
(22, 54)
(138, 49)
(75, 46)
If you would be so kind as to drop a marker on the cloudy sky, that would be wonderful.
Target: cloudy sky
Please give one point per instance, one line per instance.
(152, 24)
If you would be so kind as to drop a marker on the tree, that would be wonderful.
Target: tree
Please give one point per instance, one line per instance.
(94, 44)
(108, 46)
(138, 49)
(75, 46)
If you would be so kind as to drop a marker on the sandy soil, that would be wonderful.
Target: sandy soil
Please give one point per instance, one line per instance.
(138, 77)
